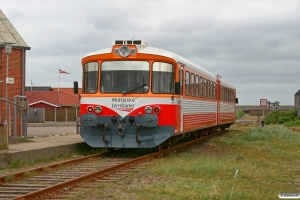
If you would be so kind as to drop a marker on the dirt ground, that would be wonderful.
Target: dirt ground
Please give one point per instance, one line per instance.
(46, 131)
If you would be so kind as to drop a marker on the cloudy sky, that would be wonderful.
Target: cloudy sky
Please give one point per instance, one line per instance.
(255, 45)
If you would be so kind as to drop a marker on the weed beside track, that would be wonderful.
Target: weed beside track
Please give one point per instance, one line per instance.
(267, 160)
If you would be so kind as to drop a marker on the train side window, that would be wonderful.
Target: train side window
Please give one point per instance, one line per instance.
(187, 83)
(180, 80)
(197, 86)
(90, 76)
(201, 86)
(212, 90)
(209, 89)
(226, 94)
(222, 93)
(204, 88)
(215, 90)
(193, 85)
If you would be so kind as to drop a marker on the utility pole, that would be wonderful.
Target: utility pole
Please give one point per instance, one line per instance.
(8, 50)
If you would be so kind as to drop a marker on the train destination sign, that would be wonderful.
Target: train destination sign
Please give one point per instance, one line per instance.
(123, 103)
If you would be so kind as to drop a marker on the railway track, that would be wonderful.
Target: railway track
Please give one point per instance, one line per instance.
(50, 182)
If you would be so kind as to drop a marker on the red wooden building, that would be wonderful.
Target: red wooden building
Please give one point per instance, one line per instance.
(52, 98)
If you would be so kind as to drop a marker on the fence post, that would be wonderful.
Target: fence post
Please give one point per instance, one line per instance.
(44, 111)
(3, 136)
(55, 115)
(9, 121)
(66, 114)
(77, 125)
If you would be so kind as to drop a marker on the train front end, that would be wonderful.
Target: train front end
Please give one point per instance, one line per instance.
(127, 98)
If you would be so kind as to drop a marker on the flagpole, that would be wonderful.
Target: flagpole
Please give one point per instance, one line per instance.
(64, 72)
(58, 87)
(58, 78)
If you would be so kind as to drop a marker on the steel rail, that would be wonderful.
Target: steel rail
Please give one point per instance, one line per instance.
(18, 175)
(93, 176)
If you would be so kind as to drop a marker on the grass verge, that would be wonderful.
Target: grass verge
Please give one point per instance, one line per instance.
(267, 160)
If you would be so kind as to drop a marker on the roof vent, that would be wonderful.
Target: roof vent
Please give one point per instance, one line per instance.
(130, 42)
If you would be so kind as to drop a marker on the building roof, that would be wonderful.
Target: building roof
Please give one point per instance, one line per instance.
(38, 88)
(67, 90)
(298, 93)
(52, 98)
(8, 33)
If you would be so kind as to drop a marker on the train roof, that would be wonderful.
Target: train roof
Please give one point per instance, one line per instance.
(226, 83)
(145, 49)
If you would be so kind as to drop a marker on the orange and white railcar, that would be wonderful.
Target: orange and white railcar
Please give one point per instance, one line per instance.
(138, 96)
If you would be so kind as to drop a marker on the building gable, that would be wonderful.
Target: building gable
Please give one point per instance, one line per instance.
(8, 33)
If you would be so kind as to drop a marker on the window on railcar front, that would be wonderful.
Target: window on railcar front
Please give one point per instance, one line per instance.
(124, 77)
(90, 78)
(163, 76)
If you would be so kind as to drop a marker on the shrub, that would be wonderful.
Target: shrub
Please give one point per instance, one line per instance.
(287, 118)
(283, 120)
(239, 114)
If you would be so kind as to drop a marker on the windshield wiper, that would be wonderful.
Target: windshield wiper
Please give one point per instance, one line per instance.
(134, 89)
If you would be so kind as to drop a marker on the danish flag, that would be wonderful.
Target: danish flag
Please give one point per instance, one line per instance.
(63, 72)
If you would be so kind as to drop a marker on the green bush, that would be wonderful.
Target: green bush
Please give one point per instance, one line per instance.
(283, 120)
(239, 114)
(287, 118)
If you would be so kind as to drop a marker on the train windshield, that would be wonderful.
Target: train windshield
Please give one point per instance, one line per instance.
(124, 77)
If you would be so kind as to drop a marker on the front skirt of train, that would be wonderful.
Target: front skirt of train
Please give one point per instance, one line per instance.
(124, 132)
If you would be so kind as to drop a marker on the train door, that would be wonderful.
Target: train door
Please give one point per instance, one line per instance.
(181, 68)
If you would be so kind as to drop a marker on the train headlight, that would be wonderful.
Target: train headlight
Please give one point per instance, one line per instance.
(156, 109)
(124, 51)
(98, 109)
(148, 109)
(90, 109)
